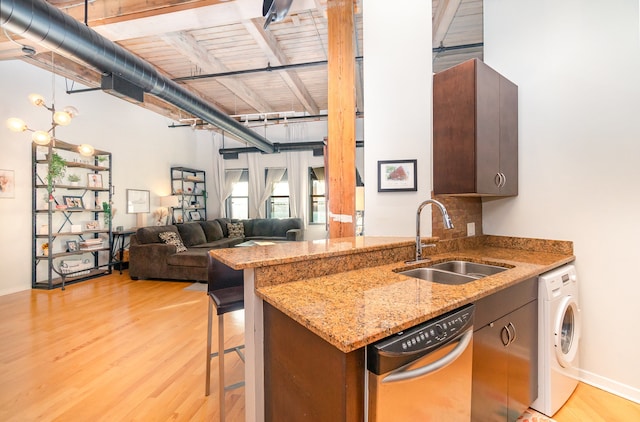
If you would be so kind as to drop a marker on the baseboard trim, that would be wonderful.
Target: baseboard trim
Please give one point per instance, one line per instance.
(611, 386)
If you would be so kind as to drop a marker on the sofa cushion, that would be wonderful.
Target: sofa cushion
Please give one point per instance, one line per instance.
(190, 258)
(235, 230)
(270, 227)
(223, 224)
(150, 234)
(248, 227)
(192, 234)
(212, 230)
(172, 238)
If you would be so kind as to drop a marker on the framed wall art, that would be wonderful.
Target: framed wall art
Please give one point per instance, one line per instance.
(7, 183)
(397, 176)
(138, 201)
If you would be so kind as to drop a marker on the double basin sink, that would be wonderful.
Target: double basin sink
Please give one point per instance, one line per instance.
(454, 272)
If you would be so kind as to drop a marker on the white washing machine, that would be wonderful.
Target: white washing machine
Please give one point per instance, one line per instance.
(558, 337)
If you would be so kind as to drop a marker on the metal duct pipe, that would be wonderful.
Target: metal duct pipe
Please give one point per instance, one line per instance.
(283, 147)
(45, 24)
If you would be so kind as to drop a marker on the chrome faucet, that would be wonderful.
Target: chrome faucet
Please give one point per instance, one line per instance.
(445, 218)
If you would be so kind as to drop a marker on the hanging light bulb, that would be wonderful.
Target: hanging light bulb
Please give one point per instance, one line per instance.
(72, 111)
(37, 100)
(86, 150)
(16, 125)
(41, 137)
(62, 118)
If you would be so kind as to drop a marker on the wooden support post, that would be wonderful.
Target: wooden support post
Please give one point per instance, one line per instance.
(341, 167)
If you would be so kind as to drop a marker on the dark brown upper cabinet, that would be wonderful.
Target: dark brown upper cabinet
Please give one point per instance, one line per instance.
(475, 132)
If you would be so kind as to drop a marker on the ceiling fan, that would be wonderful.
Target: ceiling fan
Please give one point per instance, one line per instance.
(275, 10)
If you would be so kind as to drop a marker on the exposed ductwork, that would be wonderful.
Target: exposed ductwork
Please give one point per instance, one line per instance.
(42, 23)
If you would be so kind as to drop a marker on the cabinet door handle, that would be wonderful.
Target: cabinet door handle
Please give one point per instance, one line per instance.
(497, 179)
(505, 336)
(504, 180)
(515, 333)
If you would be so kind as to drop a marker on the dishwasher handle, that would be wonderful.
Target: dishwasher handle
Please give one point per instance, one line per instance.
(402, 375)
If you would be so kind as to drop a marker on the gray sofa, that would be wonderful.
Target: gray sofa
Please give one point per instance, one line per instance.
(151, 257)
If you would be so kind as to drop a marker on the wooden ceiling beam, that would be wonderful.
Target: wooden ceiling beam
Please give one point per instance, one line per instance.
(188, 46)
(276, 57)
(104, 12)
(442, 19)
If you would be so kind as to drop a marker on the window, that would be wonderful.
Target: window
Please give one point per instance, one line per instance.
(278, 203)
(237, 204)
(317, 199)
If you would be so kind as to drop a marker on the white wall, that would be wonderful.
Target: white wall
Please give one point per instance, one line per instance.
(577, 65)
(397, 92)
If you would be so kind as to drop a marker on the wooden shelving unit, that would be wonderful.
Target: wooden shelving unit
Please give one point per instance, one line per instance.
(190, 186)
(61, 229)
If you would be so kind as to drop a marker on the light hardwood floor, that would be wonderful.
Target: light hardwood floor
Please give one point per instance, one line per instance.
(113, 349)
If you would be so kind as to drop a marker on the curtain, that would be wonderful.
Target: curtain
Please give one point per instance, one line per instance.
(220, 180)
(231, 177)
(273, 176)
(256, 181)
(298, 184)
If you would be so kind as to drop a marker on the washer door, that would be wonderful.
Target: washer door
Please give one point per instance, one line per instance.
(567, 331)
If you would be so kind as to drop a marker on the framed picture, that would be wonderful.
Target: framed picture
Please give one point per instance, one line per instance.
(397, 176)
(7, 183)
(91, 225)
(195, 215)
(73, 202)
(94, 180)
(137, 201)
(72, 245)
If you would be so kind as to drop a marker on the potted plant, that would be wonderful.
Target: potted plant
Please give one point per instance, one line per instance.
(73, 179)
(57, 168)
(106, 207)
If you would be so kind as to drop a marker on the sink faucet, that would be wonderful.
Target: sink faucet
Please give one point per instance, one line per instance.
(445, 218)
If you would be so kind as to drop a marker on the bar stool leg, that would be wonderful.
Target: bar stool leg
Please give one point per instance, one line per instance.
(221, 364)
(207, 388)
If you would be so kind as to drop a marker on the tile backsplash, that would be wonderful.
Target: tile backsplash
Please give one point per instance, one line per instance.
(462, 210)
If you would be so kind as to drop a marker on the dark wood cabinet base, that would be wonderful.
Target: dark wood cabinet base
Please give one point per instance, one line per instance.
(306, 378)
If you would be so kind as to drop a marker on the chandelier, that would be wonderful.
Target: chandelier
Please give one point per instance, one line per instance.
(58, 118)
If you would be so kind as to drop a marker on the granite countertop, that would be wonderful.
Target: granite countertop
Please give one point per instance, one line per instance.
(290, 252)
(350, 309)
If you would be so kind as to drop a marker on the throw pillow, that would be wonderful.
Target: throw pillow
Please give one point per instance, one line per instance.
(172, 238)
(235, 230)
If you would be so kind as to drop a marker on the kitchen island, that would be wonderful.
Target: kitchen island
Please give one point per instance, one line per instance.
(347, 293)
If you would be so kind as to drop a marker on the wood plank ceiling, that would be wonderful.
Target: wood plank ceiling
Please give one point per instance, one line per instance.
(219, 50)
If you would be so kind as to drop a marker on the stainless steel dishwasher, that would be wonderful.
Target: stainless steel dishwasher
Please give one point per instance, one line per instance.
(423, 373)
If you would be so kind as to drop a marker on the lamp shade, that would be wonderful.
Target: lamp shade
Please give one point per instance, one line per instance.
(170, 201)
(359, 198)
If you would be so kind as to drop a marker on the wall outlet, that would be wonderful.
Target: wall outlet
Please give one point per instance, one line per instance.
(471, 229)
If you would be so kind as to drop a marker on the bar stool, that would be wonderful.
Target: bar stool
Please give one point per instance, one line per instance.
(226, 292)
